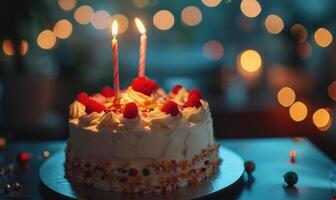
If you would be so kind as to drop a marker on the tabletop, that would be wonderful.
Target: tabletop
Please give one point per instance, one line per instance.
(317, 173)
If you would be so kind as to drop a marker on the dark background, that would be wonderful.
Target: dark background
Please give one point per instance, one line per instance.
(43, 66)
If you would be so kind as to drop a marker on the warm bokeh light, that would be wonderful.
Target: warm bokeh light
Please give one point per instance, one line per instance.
(213, 50)
(46, 39)
(321, 118)
(140, 3)
(286, 96)
(23, 48)
(163, 20)
(191, 16)
(292, 154)
(7, 47)
(274, 24)
(63, 29)
(100, 19)
(323, 37)
(250, 60)
(250, 8)
(300, 32)
(304, 50)
(332, 90)
(298, 111)
(83, 14)
(122, 22)
(211, 3)
(67, 4)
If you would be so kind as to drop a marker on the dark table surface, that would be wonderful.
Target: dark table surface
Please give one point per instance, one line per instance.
(317, 173)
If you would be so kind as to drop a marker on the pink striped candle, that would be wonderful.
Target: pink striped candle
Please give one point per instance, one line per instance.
(115, 58)
(143, 47)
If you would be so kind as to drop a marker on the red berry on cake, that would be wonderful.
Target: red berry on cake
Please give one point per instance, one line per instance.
(94, 106)
(144, 85)
(130, 111)
(176, 89)
(196, 92)
(83, 97)
(170, 107)
(107, 91)
(193, 101)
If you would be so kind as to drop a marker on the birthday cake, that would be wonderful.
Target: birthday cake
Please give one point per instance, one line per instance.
(142, 141)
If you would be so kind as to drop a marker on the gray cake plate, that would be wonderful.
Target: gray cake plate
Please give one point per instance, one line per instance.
(231, 170)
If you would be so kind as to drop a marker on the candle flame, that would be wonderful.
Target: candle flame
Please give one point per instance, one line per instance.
(140, 26)
(114, 28)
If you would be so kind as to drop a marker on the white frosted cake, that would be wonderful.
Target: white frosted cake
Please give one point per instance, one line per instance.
(144, 141)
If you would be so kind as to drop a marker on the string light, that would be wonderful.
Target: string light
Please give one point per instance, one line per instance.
(274, 24)
(46, 39)
(67, 5)
(286, 96)
(63, 29)
(163, 20)
(323, 37)
(298, 111)
(250, 8)
(213, 50)
(211, 3)
(250, 60)
(83, 14)
(191, 16)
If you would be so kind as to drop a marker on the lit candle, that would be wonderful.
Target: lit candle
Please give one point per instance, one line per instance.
(115, 58)
(143, 46)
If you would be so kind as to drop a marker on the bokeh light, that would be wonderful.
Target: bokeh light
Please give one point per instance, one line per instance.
(46, 39)
(298, 111)
(211, 3)
(122, 22)
(332, 90)
(213, 50)
(300, 32)
(191, 16)
(250, 60)
(304, 50)
(100, 19)
(323, 37)
(250, 8)
(321, 118)
(7, 47)
(23, 48)
(63, 29)
(286, 96)
(163, 20)
(67, 4)
(274, 24)
(83, 14)
(140, 3)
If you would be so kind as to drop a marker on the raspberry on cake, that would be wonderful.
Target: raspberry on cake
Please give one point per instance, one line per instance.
(143, 142)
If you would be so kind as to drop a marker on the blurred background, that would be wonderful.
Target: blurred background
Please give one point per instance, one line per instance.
(268, 68)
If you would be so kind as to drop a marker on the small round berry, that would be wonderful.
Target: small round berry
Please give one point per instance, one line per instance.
(83, 97)
(291, 178)
(176, 88)
(130, 111)
(170, 107)
(196, 92)
(94, 106)
(23, 158)
(193, 101)
(107, 91)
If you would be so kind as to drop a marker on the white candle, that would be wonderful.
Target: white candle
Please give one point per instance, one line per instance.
(143, 46)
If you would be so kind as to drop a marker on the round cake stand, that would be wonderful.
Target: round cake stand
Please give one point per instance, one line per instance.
(231, 170)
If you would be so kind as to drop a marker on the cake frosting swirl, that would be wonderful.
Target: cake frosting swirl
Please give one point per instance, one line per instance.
(143, 141)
